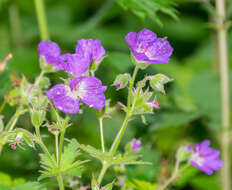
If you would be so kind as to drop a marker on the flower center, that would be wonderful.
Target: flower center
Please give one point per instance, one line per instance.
(196, 157)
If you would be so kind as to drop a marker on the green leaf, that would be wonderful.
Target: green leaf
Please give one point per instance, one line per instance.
(69, 164)
(48, 169)
(127, 159)
(149, 8)
(141, 185)
(29, 186)
(108, 186)
(5, 179)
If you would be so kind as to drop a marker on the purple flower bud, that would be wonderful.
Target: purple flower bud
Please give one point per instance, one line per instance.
(146, 47)
(205, 158)
(88, 89)
(118, 85)
(91, 49)
(135, 144)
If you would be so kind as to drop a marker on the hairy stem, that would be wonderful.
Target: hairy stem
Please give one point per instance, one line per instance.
(102, 173)
(100, 119)
(119, 136)
(11, 124)
(42, 145)
(225, 102)
(60, 181)
(37, 81)
(41, 17)
(174, 176)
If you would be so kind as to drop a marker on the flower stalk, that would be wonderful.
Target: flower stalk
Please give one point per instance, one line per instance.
(225, 102)
(41, 17)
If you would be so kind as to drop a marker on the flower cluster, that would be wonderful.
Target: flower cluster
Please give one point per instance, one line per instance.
(205, 158)
(88, 89)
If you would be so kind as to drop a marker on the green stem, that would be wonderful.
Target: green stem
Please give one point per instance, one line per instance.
(11, 124)
(174, 176)
(61, 147)
(225, 92)
(100, 119)
(57, 147)
(60, 181)
(119, 136)
(39, 78)
(131, 86)
(42, 145)
(102, 173)
(15, 25)
(40, 11)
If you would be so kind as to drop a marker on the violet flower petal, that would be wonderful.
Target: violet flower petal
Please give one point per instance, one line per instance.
(63, 98)
(90, 91)
(75, 63)
(146, 47)
(91, 49)
(205, 158)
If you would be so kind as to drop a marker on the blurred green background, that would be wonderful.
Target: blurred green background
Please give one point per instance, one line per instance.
(190, 112)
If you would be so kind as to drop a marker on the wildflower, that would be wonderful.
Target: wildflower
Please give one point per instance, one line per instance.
(88, 89)
(50, 51)
(90, 48)
(135, 144)
(205, 158)
(147, 48)
(75, 64)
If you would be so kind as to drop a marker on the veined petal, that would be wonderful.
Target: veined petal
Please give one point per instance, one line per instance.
(63, 98)
(91, 49)
(90, 91)
(48, 48)
(75, 63)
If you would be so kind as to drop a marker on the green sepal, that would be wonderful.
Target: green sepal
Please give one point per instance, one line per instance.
(157, 82)
(141, 65)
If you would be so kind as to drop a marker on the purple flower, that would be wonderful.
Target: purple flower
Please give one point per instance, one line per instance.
(205, 158)
(75, 64)
(50, 51)
(91, 49)
(146, 47)
(88, 89)
(135, 144)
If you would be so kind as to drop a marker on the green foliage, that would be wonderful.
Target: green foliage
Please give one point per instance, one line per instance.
(140, 185)
(149, 8)
(26, 186)
(8, 183)
(69, 164)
